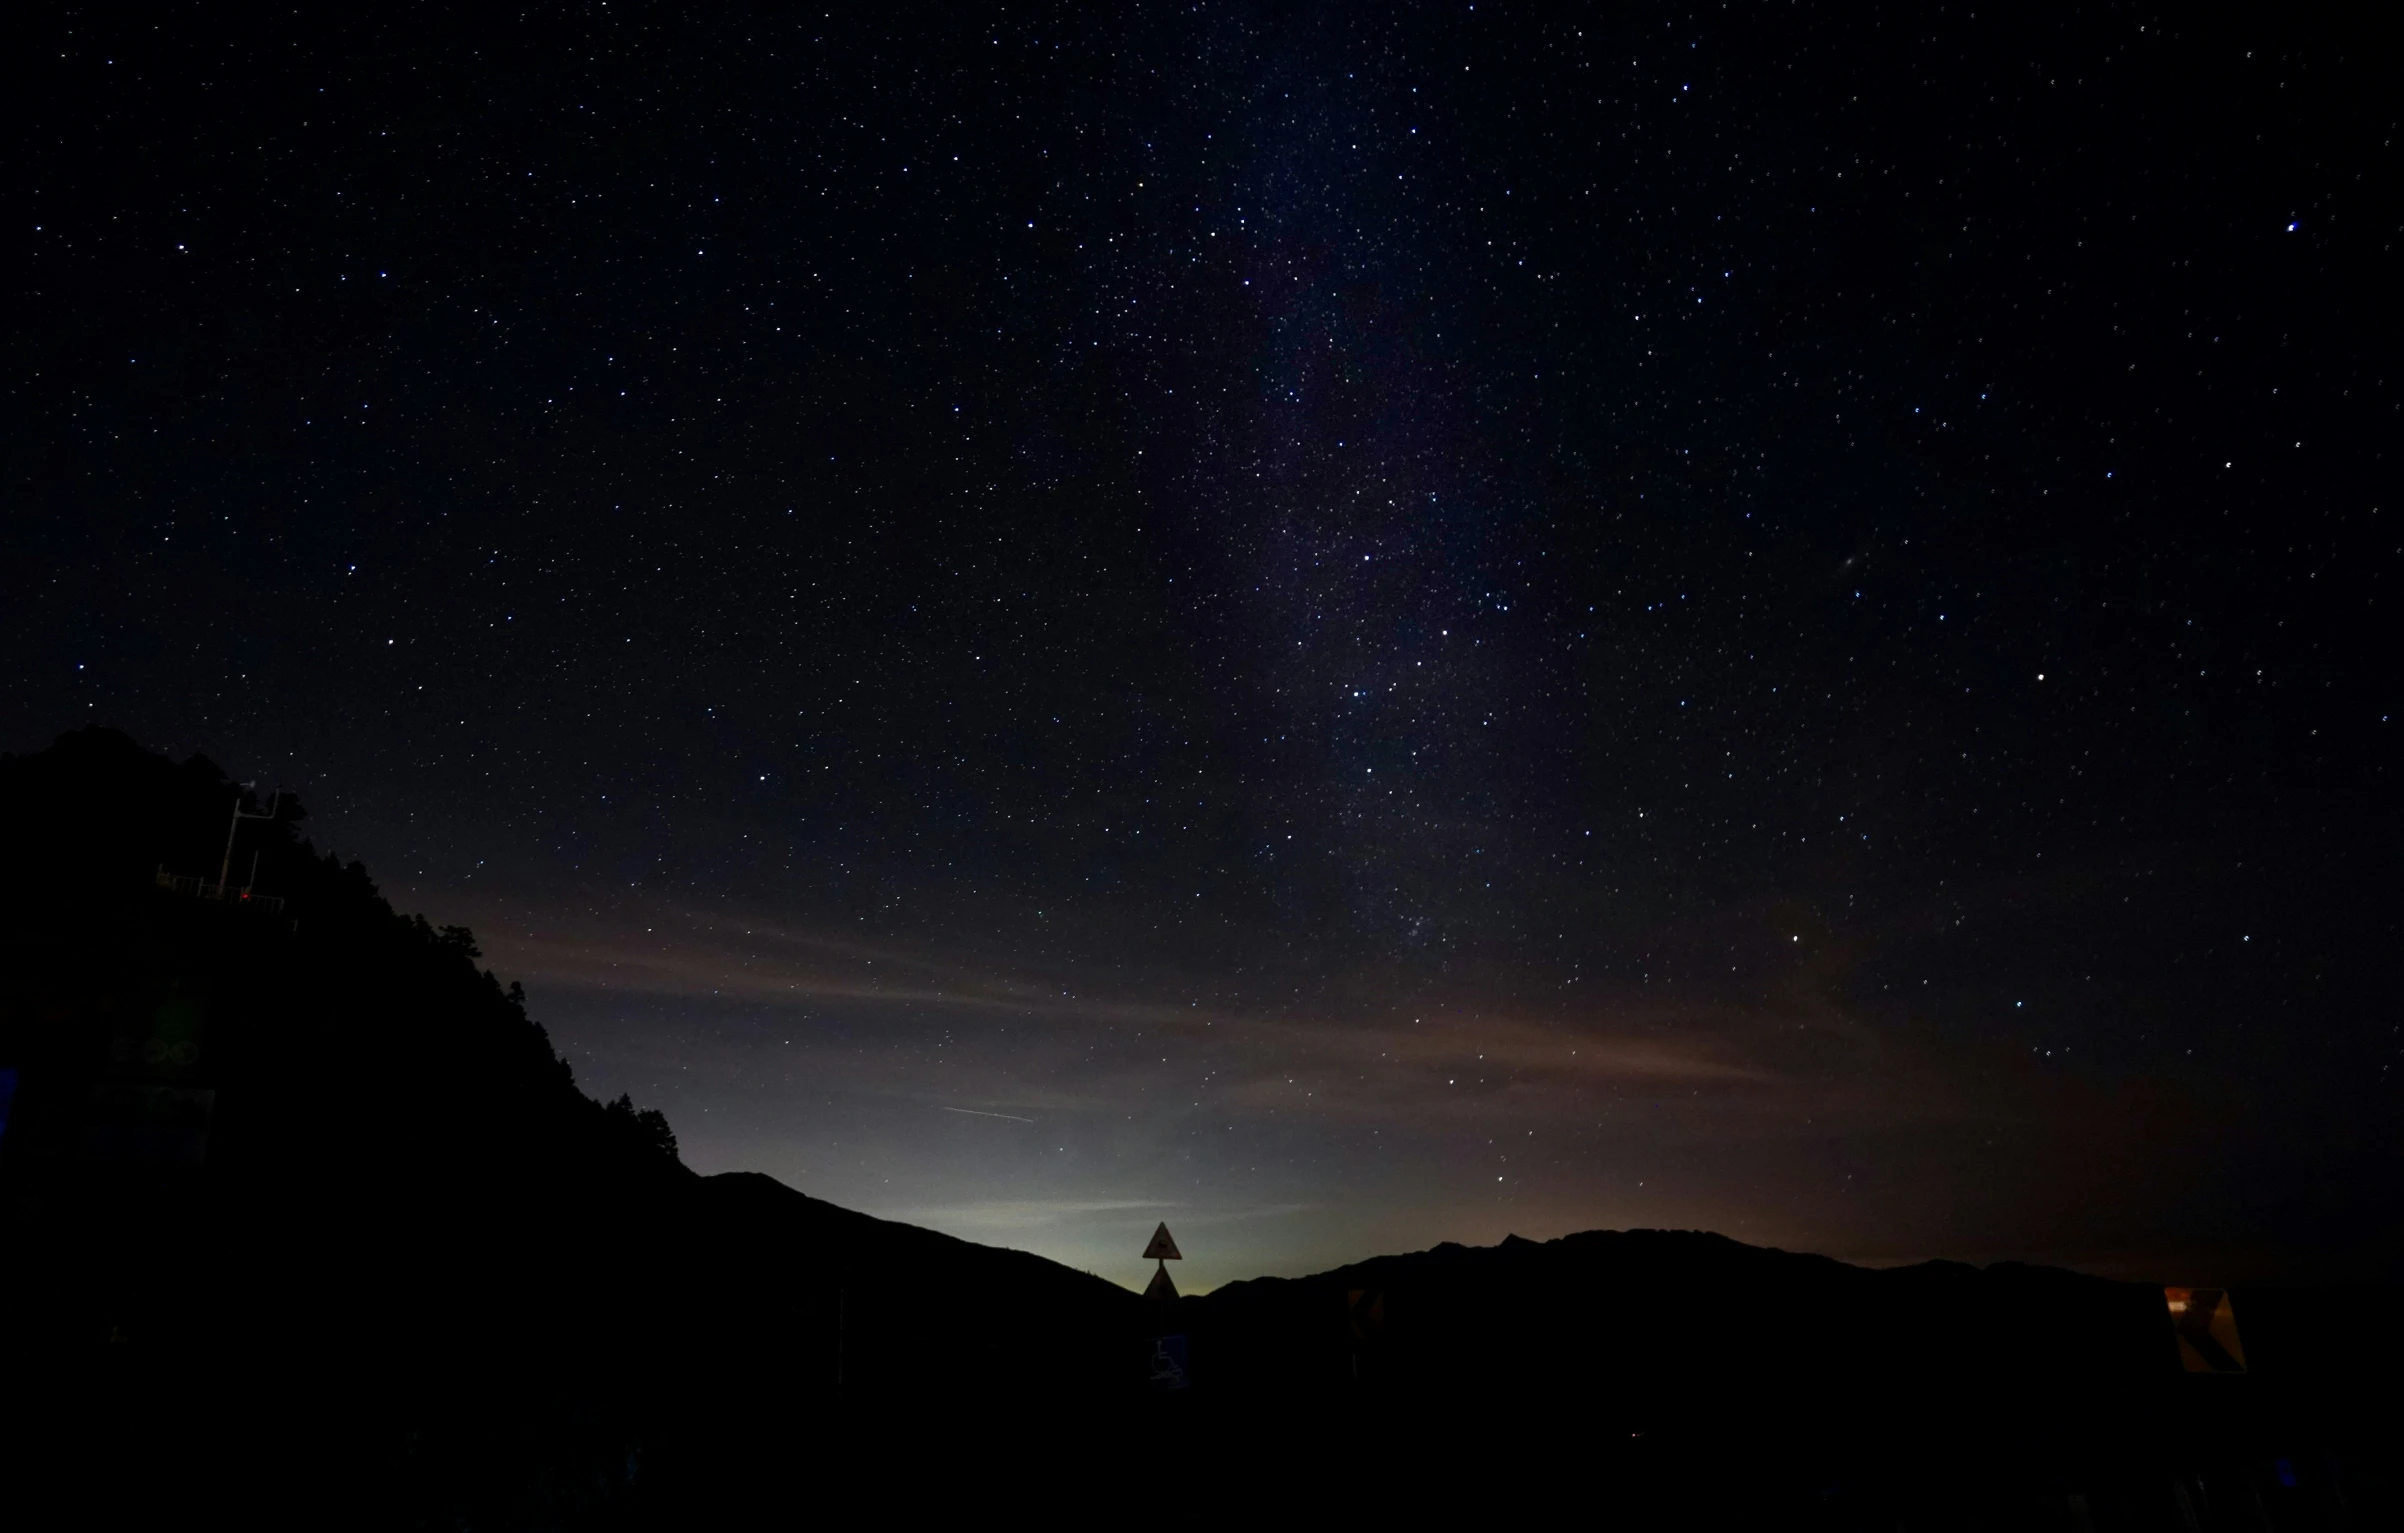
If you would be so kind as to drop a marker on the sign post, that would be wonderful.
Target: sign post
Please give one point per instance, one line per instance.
(1365, 1309)
(1163, 1249)
(1166, 1370)
(2206, 1327)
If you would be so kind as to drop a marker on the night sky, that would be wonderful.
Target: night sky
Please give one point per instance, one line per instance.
(1344, 626)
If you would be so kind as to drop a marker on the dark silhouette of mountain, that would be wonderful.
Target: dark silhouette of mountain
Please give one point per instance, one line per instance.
(1689, 1375)
(291, 1168)
(304, 1217)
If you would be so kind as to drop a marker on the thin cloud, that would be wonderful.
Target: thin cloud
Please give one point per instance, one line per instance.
(1021, 1213)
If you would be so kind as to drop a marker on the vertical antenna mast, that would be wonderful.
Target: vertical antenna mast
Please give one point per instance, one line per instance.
(226, 867)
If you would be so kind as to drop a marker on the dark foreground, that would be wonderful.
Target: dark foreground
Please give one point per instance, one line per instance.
(303, 1223)
(746, 1430)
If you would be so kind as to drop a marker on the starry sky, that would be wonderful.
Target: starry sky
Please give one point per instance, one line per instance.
(1346, 626)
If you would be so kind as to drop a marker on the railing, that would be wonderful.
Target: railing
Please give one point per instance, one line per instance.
(225, 894)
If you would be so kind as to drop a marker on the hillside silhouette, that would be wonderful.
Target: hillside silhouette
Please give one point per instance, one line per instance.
(306, 1216)
(1680, 1376)
(295, 1168)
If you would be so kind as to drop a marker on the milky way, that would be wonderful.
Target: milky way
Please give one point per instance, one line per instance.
(1349, 626)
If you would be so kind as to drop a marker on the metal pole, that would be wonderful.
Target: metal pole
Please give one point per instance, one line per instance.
(225, 868)
(235, 824)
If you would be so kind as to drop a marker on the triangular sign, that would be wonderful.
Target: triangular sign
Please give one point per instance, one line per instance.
(1161, 1286)
(2207, 1330)
(1163, 1246)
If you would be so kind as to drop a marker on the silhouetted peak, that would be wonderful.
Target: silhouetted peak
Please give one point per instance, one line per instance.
(155, 885)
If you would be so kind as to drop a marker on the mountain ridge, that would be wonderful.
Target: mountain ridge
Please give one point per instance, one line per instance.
(309, 1176)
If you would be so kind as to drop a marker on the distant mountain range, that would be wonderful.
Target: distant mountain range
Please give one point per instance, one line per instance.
(303, 1216)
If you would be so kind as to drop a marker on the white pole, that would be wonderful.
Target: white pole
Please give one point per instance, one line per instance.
(235, 824)
(226, 867)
